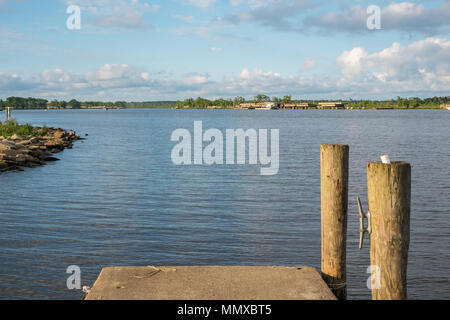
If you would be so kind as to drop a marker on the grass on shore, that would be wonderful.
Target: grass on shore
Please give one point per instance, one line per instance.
(11, 127)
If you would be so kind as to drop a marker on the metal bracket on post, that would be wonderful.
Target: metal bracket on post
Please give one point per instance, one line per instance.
(362, 229)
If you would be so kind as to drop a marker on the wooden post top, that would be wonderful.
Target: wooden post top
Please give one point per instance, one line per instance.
(334, 145)
(393, 163)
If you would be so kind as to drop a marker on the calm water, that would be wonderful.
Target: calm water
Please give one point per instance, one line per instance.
(117, 199)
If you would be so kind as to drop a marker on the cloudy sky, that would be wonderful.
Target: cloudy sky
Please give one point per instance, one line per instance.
(141, 50)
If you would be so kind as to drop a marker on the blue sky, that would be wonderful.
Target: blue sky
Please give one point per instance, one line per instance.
(138, 50)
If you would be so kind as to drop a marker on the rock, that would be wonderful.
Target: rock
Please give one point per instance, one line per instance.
(54, 144)
(29, 142)
(58, 134)
(16, 137)
(27, 160)
(51, 159)
(73, 136)
(37, 153)
(5, 145)
(16, 152)
(35, 140)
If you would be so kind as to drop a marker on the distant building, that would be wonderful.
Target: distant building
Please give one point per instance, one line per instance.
(260, 105)
(305, 105)
(445, 106)
(331, 105)
(247, 106)
(272, 105)
(277, 105)
(300, 105)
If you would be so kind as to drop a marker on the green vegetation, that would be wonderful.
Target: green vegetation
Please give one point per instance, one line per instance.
(24, 103)
(398, 103)
(149, 104)
(401, 103)
(57, 104)
(263, 98)
(202, 103)
(11, 127)
(31, 103)
(286, 100)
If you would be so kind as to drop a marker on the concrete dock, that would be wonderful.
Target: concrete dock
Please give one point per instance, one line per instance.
(210, 283)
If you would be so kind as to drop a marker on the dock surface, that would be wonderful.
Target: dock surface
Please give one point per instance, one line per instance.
(210, 283)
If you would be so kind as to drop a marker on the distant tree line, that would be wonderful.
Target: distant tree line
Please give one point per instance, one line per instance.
(24, 103)
(32, 103)
(150, 104)
(228, 103)
(204, 103)
(399, 102)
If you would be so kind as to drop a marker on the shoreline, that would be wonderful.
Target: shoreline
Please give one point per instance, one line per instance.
(228, 108)
(17, 152)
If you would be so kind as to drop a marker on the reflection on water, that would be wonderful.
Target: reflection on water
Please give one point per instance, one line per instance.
(117, 199)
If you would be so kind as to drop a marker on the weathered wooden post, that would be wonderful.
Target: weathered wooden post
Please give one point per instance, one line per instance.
(334, 160)
(389, 195)
(8, 113)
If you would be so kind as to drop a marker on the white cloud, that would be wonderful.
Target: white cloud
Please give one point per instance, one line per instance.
(351, 62)
(199, 3)
(416, 61)
(422, 66)
(13, 82)
(406, 17)
(235, 3)
(196, 79)
(270, 13)
(308, 64)
(321, 16)
(421, 69)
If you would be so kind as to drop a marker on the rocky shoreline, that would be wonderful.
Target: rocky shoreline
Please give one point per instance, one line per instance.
(17, 152)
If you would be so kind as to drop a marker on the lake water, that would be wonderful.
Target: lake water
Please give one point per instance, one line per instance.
(116, 199)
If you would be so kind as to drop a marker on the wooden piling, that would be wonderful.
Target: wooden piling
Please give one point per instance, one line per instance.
(389, 195)
(334, 161)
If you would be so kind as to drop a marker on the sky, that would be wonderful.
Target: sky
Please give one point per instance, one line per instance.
(138, 50)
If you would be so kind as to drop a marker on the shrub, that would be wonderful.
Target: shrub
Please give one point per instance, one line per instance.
(11, 127)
